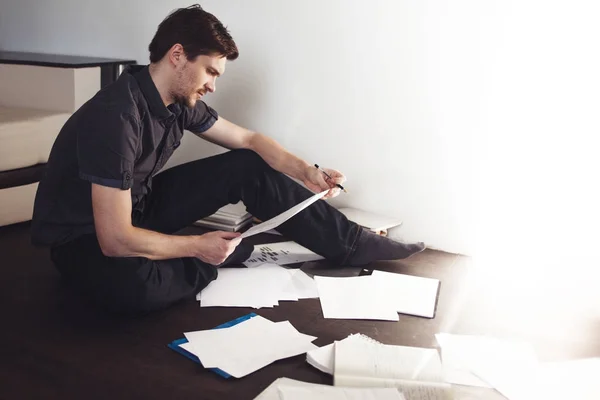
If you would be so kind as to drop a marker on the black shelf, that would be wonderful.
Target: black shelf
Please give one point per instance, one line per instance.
(110, 68)
(58, 60)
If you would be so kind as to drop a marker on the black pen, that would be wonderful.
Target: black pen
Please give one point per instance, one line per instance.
(327, 175)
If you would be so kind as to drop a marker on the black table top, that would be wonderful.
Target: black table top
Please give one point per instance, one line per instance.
(58, 60)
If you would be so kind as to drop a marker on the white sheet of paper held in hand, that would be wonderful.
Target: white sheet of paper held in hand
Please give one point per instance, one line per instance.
(281, 218)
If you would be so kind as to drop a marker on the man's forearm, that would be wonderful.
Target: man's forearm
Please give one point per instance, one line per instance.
(278, 157)
(137, 242)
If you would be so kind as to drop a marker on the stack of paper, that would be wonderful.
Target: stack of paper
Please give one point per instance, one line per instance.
(248, 346)
(262, 286)
(231, 217)
(281, 253)
(378, 296)
(290, 389)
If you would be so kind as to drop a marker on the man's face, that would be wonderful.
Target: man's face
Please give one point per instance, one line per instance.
(194, 79)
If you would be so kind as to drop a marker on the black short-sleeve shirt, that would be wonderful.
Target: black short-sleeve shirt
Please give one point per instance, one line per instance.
(120, 138)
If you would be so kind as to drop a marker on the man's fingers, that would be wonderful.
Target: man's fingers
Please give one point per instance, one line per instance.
(332, 193)
(229, 235)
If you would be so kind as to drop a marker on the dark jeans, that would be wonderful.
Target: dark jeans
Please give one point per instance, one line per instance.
(181, 196)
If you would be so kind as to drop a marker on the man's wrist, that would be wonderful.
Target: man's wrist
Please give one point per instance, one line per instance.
(190, 247)
(305, 170)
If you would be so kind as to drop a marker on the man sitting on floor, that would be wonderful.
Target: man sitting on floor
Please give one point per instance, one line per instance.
(109, 218)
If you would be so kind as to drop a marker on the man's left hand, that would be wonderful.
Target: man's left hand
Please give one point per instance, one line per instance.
(317, 181)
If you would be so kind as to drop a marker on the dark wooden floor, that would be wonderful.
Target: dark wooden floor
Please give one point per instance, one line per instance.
(53, 345)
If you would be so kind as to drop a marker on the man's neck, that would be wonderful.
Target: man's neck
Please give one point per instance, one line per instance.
(159, 77)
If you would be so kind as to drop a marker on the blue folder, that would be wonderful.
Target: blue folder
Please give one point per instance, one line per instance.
(174, 345)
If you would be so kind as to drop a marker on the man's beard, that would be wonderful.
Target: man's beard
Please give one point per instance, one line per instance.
(183, 100)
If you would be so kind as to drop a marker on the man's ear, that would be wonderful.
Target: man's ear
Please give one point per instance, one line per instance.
(176, 54)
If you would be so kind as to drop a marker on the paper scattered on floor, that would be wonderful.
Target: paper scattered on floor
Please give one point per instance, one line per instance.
(257, 287)
(248, 346)
(290, 389)
(511, 367)
(281, 253)
(413, 295)
(301, 285)
(323, 392)
(363, 363)
(323, 357)
(462, 354)
(572, 379)
(379, 296)
(356, 297)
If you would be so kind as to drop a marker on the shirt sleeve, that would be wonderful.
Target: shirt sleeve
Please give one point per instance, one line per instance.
(106, 149)
(200, 118)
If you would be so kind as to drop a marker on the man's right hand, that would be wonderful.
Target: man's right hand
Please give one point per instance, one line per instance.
(214, 247)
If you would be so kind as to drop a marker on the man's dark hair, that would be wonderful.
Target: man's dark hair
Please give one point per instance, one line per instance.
(199, 32)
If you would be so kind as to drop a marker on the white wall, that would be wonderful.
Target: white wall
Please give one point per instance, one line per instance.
(433, 109)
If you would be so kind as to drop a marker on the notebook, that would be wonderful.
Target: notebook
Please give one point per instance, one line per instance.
(290, 389)
(323, 357)
(416, 371)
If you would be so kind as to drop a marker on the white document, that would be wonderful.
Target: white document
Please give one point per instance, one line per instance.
(511, 371)
(323, 357)
(279, 388)
(284, 216)
(412, 295)
(572, 379)
(514, 381)
(281, 253)
(275, 345)
(358, 297)
(363, 364)
(262, 286)
(301, 285)
(416, 390)
(207, 344)
(248, 346)
(462, 354)
(323, 392)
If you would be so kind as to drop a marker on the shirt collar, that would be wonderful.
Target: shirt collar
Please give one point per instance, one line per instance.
(149, 90)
